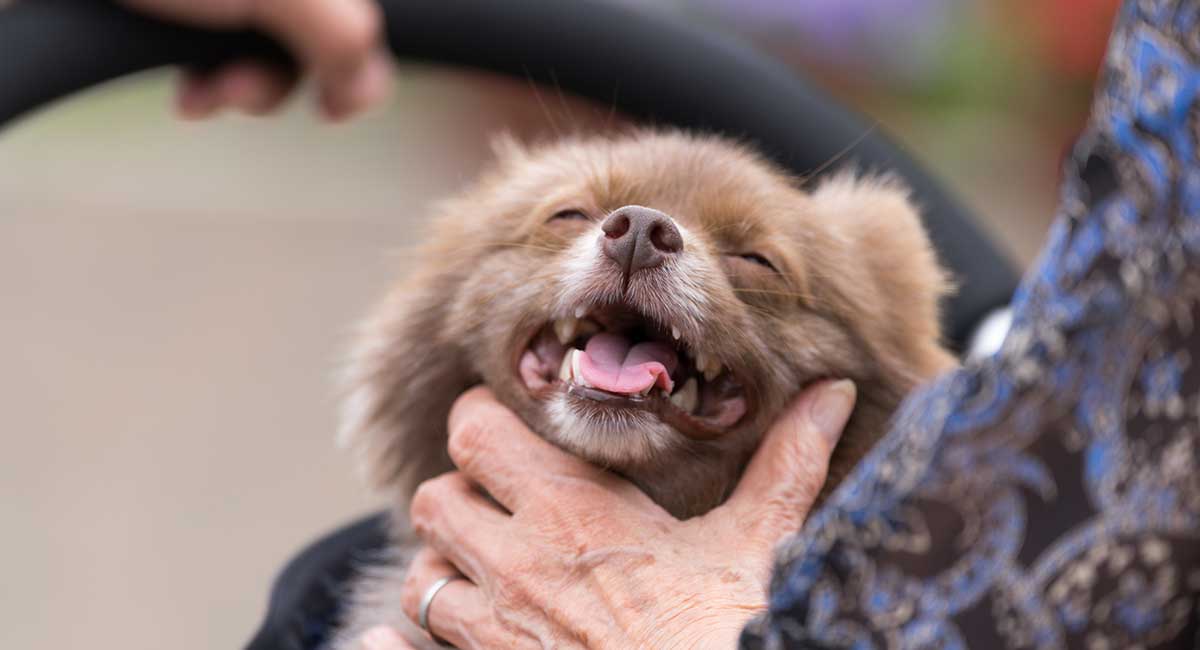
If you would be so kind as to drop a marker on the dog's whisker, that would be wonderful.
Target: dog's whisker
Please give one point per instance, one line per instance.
(568, 114)
(537, 95)
(841, 154)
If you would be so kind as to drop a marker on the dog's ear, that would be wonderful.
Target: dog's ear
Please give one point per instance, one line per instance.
(401, 379)
(884, 275)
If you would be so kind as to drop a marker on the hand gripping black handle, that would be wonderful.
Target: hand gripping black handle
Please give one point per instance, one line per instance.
(651, 67)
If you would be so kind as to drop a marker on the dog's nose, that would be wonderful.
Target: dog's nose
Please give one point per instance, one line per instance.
(640, 238)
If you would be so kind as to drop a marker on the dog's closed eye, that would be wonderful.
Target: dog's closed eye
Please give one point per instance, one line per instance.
(571, 214)
(755, 258)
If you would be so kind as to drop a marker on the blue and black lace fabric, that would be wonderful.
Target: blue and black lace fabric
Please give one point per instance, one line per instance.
(1049, 496)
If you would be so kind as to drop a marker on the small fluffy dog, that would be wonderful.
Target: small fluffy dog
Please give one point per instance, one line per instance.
(649, 302)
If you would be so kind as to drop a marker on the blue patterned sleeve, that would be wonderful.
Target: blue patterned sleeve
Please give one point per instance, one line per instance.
(1047, 497)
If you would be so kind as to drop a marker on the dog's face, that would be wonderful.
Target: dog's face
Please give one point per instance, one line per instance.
(650, 303)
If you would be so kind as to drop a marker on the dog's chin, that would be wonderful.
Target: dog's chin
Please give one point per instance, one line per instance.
(608, 433)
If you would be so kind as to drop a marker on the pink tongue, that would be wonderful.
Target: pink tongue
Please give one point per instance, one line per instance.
(611, 363)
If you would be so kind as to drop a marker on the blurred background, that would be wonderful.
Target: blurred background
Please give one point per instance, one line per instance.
(176, 295)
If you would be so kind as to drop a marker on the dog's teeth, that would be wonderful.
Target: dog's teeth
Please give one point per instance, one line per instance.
(565, 328)
(580, 312)
(685, 398)
(709, 367)
(564, 370)
(576, 374)
(675, 332)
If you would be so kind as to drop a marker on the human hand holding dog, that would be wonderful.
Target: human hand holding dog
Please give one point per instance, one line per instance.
(339, 43)
(585, 559)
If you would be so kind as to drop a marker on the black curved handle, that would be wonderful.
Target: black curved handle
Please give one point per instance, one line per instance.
(649, 66)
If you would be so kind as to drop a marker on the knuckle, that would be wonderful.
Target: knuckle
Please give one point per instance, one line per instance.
(511, 571)
(426, 502)
(501, 566)
(466, 439)
(782, 514)
(807, 470)
(508, 591)
(812, 477)
(355, 36)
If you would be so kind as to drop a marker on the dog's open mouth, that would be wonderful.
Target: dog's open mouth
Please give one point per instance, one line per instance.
(614, 357)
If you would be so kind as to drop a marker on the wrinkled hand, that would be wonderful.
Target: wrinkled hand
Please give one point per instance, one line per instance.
(339, 42)
(585, 559)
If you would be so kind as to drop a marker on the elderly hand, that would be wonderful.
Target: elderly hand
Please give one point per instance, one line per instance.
(338, 41)
(585, 559)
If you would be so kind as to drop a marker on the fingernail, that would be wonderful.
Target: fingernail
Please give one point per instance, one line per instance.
(381, 638)
(831, 408)
(363, 88)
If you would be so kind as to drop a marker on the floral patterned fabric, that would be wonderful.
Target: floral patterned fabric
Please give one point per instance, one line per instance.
(1048, 496)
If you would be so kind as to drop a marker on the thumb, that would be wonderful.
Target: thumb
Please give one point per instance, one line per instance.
(787, 472)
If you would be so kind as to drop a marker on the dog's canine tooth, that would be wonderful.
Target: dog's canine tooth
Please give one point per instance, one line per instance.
(707, 366)
(564, 369)
(564, 329)
(686, 397)
(576, 374)
(675, 332)
(714, 368)
(580, 312)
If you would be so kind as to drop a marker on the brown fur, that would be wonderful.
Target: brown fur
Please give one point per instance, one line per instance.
(856, 296)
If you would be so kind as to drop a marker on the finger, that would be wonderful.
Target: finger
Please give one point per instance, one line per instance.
(460, 615)
(426, 568)
(787, 472)
(449, 514)
(340, 42)
(340, 99)
(383, 638)
(494, 448)
(458, 612)
(331, 36)
(197, 96)
(253, 88)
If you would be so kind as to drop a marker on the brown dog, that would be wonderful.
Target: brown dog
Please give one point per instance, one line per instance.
(649, 302)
